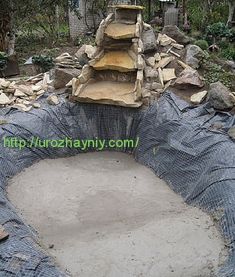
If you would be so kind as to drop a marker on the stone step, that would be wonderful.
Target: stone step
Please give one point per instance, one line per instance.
(112, 93)
(121, 31)
(116, 60)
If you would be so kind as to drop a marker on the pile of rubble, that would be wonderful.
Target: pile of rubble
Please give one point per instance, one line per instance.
(129, 66)
(24, 94)
(65, 60)
(166, 66)
(126, 45)
(174, 63)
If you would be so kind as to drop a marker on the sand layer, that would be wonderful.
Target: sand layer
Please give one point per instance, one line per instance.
(106, 215)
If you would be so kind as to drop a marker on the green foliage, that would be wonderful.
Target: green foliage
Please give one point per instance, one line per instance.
(218, 30)
(43, 61)
(196, 34)
(3, 60)
(223, 43)
(228, 53)
(219, 12)
(196, 14)
(34, 16)
(203, 44)
(203, 13)
(214, 72)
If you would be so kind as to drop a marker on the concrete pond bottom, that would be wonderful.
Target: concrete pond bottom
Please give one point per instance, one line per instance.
(103, 214)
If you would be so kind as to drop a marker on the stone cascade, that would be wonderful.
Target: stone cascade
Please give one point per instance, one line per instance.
(115, 74)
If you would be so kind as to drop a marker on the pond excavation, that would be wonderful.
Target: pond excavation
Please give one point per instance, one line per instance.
(103, 214)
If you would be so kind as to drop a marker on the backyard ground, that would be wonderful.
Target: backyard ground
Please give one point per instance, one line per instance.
(103, 214)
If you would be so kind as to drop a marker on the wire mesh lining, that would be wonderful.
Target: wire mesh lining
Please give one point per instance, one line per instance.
(175, 140)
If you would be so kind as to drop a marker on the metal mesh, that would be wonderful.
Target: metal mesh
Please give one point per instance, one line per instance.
(176, 141)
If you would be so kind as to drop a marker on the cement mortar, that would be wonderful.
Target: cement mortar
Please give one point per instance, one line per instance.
(103, 214)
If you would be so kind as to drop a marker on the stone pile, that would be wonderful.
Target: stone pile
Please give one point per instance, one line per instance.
(65, 60)
(68, 67)
(166, 67)
(115, 73)
(129, 65)
(24, 94)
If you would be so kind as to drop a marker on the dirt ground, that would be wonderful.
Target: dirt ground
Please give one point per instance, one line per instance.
(103, 214)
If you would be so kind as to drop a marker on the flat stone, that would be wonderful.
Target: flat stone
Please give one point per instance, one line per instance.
(140, 62)
(220, 97)
(156, 86)
(36, 105)
(167, 85)
(62, 57)
(4, 100)
(178, 46)
(3, 122)
(199, 97)
(116, 60)
(9, 90)
(150, 73)
(40, 92)
(19, 93)
(163, 55)
(189, 78)
(36, 88)
(118, 30)
(100, 32)
(146, 93)
(129, 7)
(148, 85)
(106, 92)
(64, 75)
(4, 83)
(90, 51)
(164, 62)
(22, 107)
(3, 234)
(151, 61)
(160, 74)
(231, 133)
(157, 57)
(53, 100)
(149, 41)
(168, 74)
(174, 53)
(26, 89)
(86, 74)
(175, 33)
(194, 56)
(81, 55)
(26, 102)
(184, 65)
(165, 40)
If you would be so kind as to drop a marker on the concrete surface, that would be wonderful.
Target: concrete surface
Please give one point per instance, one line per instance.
(102, 214)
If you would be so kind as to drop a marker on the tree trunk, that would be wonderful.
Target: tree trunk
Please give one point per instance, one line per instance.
(57, 15)
(231, 15)
(11, 44)
(4, 29)
(5, 26)
(184, 10)
(2, 42)
(149, 9)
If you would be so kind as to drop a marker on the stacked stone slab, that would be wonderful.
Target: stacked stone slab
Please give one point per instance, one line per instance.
(115, 74)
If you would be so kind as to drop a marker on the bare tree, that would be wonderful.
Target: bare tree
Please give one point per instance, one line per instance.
(5, 24)
(231, 16)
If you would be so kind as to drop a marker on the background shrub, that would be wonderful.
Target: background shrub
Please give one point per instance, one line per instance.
(203, 44)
